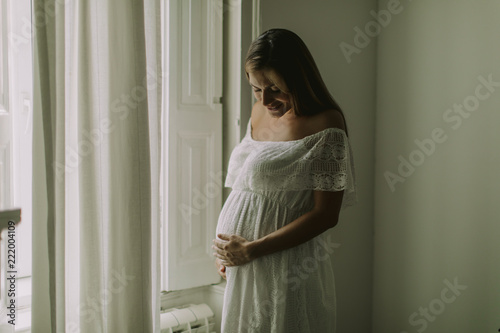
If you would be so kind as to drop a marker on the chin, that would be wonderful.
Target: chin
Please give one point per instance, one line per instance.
(276, 113)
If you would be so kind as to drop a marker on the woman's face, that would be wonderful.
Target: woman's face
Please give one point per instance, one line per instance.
(270, 89)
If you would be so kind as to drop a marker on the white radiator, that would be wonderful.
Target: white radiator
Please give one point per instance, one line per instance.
(192, 318)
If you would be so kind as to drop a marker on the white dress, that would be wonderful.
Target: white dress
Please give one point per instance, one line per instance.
(272, 184)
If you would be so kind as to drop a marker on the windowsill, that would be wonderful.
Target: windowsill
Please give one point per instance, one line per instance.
(219, 288)
(180, 297)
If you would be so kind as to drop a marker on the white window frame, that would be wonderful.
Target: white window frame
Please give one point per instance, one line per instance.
(192, 141)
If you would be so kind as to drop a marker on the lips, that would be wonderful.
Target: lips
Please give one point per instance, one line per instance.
(275, 107)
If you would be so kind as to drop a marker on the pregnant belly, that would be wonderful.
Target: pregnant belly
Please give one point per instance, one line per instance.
(252, 215)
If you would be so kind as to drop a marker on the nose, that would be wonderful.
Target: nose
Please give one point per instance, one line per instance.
(266, 98)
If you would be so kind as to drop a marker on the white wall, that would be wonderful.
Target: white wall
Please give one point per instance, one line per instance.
(324, 25)
(442, 221)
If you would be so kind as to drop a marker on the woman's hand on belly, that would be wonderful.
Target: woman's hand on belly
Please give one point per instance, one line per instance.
(233, 250)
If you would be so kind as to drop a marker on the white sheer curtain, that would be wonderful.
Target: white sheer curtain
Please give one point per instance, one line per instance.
(96, 160)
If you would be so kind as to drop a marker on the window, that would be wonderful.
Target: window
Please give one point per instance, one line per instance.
(192, 142)
(192, 138)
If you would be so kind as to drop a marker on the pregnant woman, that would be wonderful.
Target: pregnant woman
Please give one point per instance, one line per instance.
(290, 176)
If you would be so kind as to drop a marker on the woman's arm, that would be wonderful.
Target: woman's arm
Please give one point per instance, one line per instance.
(234, 250)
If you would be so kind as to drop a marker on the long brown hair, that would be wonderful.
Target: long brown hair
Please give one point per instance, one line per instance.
(284, 52)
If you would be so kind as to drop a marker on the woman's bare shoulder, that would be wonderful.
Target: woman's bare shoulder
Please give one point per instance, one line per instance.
(321, 121)
(328, 119)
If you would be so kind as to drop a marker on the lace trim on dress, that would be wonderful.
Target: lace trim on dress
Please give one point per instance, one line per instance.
(322, 161)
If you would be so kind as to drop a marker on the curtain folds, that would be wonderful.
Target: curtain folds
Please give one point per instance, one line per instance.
(97, 154)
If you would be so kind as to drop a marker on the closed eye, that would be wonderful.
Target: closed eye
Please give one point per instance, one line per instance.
(272, 90)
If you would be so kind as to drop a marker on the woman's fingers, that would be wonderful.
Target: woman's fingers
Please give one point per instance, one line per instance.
(220, 257)
(221, 269)
(232, 250)
(220, 244)
(217, 263)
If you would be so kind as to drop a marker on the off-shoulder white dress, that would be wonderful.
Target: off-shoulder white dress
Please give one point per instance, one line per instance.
(272, 184)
